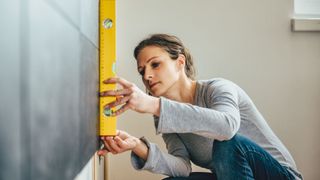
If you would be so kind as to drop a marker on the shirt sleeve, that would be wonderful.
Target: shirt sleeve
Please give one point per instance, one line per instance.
(220, 119)
(175, 163)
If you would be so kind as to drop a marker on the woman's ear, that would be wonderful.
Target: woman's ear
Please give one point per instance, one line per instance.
(181, 61)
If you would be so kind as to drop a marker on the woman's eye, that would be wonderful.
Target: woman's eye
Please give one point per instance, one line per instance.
(154, 65)
(141, 72)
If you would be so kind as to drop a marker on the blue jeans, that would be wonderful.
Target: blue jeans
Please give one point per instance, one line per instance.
(240, 158)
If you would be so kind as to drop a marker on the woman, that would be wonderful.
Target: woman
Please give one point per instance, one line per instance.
(212, 122)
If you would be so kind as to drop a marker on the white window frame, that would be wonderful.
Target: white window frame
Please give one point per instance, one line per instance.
(306, 15)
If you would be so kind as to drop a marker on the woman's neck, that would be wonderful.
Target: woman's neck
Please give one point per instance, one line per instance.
(183, 91)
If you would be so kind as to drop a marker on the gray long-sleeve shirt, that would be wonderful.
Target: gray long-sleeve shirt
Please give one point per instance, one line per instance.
(220, 110)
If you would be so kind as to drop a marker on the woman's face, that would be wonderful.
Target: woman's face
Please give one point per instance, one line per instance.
(159, 72)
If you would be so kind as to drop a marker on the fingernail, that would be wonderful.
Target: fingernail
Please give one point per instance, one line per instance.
(106, 81)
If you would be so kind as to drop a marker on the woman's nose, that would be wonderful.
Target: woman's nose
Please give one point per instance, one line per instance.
(147, 75)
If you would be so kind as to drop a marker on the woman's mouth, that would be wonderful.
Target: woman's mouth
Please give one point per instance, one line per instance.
(154, 84)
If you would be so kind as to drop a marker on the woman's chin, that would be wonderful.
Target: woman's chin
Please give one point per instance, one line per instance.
(156, 93)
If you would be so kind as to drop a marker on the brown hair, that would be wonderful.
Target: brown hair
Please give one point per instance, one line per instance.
(173, 46)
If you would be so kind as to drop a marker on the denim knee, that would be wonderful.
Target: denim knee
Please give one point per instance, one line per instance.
(225, 152)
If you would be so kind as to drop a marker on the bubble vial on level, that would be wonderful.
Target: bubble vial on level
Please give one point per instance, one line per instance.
(107, 23)
(107, 112)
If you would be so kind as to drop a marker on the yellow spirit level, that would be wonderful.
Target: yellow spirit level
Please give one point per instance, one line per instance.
(107, 41)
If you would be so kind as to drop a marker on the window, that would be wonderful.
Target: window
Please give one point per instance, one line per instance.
(307, 8)
(306, 15)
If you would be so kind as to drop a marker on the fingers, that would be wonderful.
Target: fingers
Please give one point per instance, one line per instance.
(122, 134)
(107, 146)
(121, 81)
(102, 152)
(119, 101)
(121, 110)
(123, 96)
(118, 132)
(114, 146)
(118, 92)
(121, 144)
(111, 145)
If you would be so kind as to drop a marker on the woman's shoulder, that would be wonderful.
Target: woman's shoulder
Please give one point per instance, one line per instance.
(217, 87)
(216, 83)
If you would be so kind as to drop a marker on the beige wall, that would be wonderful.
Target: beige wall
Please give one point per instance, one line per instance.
(248, 42)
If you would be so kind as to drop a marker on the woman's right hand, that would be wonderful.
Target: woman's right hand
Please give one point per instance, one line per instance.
(122, 142)
(130, 97)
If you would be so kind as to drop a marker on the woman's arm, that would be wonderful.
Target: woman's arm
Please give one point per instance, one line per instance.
(147, 156)
(219, 118)
(175, 163)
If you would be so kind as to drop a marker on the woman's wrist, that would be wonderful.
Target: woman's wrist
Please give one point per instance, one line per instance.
(155, 106)
(141, 149)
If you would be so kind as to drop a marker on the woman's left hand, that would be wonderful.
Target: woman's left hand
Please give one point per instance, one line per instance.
(122, 142)
(131, 97)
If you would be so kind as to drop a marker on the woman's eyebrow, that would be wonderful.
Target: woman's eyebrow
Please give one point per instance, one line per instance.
(148, 61)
